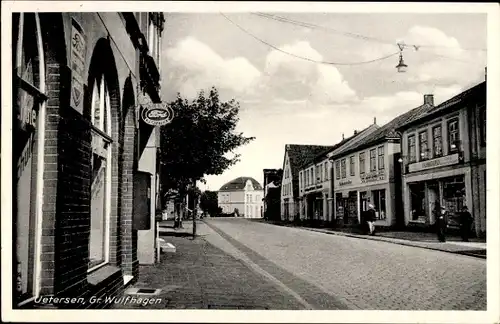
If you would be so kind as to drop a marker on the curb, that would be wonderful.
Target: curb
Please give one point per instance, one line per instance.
(466, 253)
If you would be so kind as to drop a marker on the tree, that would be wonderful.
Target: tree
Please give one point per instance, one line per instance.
(209, 203)
(198, 142)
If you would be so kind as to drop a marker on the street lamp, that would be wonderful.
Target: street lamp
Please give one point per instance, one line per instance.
(402, 67)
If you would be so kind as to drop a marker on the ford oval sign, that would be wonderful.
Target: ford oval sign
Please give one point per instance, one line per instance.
(157, 114)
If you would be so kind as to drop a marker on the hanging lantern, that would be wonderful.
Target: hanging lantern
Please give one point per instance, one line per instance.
(401, 65)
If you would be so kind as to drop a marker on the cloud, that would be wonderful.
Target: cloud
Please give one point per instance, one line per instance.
(291, 78)
(441, 58)
(194, 66)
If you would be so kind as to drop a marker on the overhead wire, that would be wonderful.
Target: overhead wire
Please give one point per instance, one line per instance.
(369, 38)
(302, 57)
(354, 35)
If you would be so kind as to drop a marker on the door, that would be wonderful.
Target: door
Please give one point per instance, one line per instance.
(142, 201)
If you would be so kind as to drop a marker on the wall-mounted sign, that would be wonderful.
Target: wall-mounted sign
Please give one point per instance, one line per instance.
(373, 176)
(78, 54)
(157, 114)
(345, 182)
(434, 163)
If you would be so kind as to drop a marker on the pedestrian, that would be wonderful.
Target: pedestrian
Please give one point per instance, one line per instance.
(465, 219)
(441, 221)
(370, 219)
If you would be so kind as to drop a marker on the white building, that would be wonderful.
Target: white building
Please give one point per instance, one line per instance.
(242, 196)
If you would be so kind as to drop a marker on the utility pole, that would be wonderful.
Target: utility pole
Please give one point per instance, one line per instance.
(195, 202)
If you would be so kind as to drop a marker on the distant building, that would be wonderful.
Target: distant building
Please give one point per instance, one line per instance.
(242, 196)
(295, 156)
(316, 183)
(272, 189)
(444, 159)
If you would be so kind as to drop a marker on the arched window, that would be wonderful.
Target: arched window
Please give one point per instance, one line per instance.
(100, 114)
(28, 147)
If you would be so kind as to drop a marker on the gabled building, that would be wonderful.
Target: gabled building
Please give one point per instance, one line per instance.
(368, 171)
(242, 196)
(315, 181)
(444, 159)
(295, 156)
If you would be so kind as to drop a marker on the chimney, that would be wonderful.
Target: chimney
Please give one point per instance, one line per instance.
(374, 120)
(355, 132)
(429, 99)
(485, 73)
(342, 136)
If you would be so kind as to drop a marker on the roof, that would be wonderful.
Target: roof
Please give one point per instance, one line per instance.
(300, 155)
(387, 131)
(239, 184)
(350, 140)
(452, 102)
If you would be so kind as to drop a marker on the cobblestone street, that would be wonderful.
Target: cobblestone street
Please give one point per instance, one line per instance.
(239, 264)
(364, 274)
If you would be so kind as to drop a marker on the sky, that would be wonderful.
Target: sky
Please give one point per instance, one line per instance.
(287, 100)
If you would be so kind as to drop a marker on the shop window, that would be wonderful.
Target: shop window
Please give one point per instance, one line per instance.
(337, 170)
(453, 135)
(454, 194)
(423, 145)
(417, 201)
(101, 174)
(379, 203)
(482, 125)
(381, 158)
(28, 138)
(373, 160)
(412, 149)
(437, 141)
(343, 168)
(362, 163)
(352, 166)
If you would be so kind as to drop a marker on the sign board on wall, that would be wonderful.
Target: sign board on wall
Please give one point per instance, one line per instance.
(156, 114)
(78, 55)
(373, 176)
(434, 163)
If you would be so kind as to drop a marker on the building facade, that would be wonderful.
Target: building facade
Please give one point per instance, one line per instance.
(295, 156)
(315, 190)
(367, 171)
(78, 82)
(364, 176)
(243, 197)
(440, 152)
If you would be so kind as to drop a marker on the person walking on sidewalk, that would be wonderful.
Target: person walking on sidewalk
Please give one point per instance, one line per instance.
(465, 218)
(441, 222)
(370, 219)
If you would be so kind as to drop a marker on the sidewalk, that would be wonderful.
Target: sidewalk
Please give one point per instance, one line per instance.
(453, 244)
(200, 275)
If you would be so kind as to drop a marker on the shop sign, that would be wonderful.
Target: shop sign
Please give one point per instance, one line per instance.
(434, 163)
(345, 182)
(373, 176)
(78, 54)
(157, 114)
